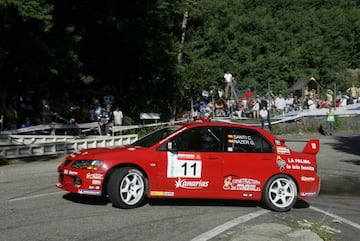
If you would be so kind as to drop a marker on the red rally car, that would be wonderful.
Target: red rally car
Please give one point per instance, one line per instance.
(214, 160)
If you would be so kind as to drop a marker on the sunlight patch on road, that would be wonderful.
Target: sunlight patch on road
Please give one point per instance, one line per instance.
(232, 223)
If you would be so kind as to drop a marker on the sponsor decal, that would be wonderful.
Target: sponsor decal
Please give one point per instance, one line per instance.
(97, 176)
(299, 164)
(241, 184)
(298, 161)
(191, 184)
(69, 172)
(307, 179)
(94, 187)
(313, 146)
(283, 150)
(281, 163)
(161, 193)
(248, 195)
(89, 192)
(73, 172)
(96, 182)
(308, 193)
(168, 194)
(157, 193)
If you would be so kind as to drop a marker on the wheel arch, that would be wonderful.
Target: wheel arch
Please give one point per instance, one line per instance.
(124, 165)
(281, 174)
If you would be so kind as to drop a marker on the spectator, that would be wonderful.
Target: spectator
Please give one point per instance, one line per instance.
(280, 104)
(220, 108)
(104, 122)
(11, 117)
(330, 121)
(28, 124)
(311, 104)
(118, 116)
(228, 83)
(289, 103)
(353, 91)
(255, 107)
(248, 94)
(264, 116)
(329, 98)
(297, 104)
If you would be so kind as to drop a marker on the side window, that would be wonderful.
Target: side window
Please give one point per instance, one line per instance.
(246, 141)
(201, 139)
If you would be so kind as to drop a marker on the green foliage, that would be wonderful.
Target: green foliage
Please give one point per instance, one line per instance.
(30, 10)
(266, 43)
(132, 46)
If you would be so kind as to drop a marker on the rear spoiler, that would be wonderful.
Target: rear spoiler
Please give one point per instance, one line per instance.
(312, 146)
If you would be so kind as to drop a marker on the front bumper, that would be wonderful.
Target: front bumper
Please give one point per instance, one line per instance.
(80, 181)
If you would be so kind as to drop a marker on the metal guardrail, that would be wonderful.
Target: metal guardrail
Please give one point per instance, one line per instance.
(30, 145)
(14, 145)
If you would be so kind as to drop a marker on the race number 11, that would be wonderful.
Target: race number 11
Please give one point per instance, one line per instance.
(183, 168)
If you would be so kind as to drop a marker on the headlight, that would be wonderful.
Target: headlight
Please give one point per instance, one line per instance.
(87, 164)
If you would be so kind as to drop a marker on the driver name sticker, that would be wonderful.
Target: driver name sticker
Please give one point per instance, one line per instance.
(184, 165)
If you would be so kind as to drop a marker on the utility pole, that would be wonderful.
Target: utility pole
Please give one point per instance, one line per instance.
(180, 56)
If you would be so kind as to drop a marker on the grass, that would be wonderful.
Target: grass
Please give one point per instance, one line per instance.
(321, 228)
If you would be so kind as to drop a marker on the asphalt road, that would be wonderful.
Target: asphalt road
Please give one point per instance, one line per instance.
(32, 208)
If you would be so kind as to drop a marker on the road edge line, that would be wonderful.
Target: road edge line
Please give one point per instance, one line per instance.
(351, 223)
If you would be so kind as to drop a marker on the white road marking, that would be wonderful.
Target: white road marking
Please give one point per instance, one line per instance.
(35, 196)
(232, 223)
(351, 223)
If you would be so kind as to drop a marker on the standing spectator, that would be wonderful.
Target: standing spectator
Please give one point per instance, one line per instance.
(330, 120)
(297, 104)
(228, 82)
(264, 116)
(280, 104)
(353, 91)
(248, 94)
(104, 122)
(118, 116)
(289, 103)
(329, 98)
(11, 118)
(256, 107)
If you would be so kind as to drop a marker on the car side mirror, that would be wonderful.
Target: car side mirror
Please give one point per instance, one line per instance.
(171, 146)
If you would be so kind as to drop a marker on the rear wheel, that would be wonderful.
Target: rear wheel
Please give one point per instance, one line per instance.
(127, 188)
(280, 193)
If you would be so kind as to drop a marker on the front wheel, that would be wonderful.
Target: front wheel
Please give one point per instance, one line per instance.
(127, 188)
(280, 193)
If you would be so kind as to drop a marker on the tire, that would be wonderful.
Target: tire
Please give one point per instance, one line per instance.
(127, 188)
(280, 193)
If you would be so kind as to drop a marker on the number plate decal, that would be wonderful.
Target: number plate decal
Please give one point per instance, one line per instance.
(184, 165)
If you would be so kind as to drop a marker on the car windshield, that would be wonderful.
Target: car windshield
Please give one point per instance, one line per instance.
(156, 136)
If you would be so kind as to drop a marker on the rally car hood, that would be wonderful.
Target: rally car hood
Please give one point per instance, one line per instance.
(99, 153)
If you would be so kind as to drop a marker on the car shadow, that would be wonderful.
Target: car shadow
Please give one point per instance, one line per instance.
(201, 202)
(102, 201)
(86, 199)
(348, 144)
